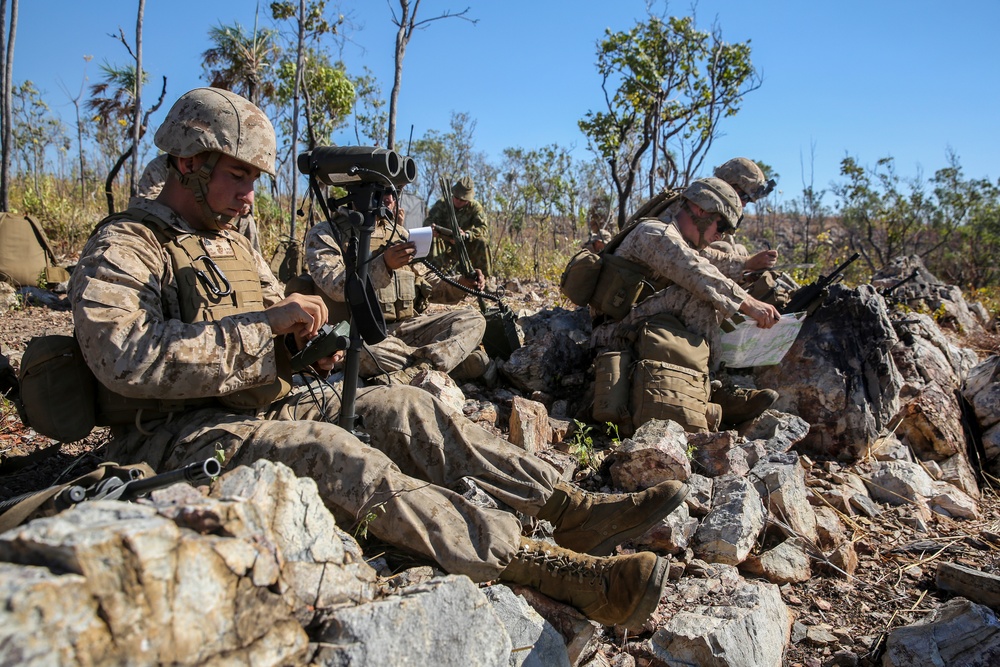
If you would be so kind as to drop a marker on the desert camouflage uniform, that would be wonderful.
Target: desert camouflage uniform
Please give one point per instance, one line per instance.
(700, 296)
(443, 339)
(125, 307)
(727, 256)
(152, 180)
(471, 219)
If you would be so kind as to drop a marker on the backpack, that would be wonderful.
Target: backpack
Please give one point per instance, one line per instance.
(26, 257)
(611, 284)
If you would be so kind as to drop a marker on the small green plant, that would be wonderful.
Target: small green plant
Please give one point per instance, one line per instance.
(220, 454)
(361, 532)
(691, 449)
(611, 429)
(582, 444)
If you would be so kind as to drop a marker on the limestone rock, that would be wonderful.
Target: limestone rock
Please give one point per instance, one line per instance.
(672, 535)
(931, 423)
(731, 528)
(752, 632)
(839, 375)
(785, 563)
(165, 594)
(529, 425)
(655, 453)
(783, 488)
(535, 642)
(447, 622)
(441, 385)
(958, 633)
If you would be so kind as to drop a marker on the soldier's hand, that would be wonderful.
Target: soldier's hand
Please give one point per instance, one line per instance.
(764, 314)
(298, 314)
(478, 282)
(762, 260)
(328, 363)
(399, 255)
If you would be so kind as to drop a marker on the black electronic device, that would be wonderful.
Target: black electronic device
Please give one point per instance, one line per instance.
(329, 339)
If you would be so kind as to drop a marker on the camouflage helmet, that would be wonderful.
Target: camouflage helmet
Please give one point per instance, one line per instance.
(716, 196)
(217, 120)
(744, 176)
(463, 189)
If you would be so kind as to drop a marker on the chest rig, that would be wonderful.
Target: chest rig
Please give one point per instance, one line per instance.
(215, 277)
(407, 293)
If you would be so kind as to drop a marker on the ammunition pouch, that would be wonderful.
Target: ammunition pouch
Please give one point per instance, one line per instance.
(398, 299)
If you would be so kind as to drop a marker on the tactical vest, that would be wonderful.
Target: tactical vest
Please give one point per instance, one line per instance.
(215, 278)
(406, 295)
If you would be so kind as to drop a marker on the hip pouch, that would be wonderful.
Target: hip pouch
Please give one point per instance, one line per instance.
(671, 379)
(58, 390)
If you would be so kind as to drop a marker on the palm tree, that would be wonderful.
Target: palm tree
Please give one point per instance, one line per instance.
(240, 62)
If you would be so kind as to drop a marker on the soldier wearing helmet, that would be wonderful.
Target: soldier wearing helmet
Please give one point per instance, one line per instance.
(185, 329)
(471, 217)
(665, 252)
(750, 184)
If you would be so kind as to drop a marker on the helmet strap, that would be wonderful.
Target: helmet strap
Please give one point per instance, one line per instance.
(197, 183)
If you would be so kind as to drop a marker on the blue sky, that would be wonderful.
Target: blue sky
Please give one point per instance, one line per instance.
(869, 79)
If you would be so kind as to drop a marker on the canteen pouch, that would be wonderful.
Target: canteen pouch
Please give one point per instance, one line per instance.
(58, 390)
(611, 388)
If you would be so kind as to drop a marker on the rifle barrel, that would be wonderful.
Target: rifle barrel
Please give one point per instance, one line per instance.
(193, 473)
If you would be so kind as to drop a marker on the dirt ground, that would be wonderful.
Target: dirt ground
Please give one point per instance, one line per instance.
(838, 620)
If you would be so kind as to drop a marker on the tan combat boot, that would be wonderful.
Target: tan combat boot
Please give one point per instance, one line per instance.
(595, 523)
(740, 405)
(621, 590)
(472, 367)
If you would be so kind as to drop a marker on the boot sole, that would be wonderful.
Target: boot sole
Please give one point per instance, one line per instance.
(607, 547)
(647, 605)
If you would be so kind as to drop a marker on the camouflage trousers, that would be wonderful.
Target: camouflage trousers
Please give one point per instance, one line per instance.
(443, 339)
(419, 452)
(698, 316)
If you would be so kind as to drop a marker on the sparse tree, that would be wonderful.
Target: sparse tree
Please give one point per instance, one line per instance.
(406, 23)
(667, 86)
(6, 90)
(241, 62)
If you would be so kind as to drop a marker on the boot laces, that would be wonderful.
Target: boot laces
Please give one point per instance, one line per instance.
(592, 573)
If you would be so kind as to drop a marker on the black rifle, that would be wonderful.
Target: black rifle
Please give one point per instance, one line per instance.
(805, 296)
(887, 292)
(115, 488)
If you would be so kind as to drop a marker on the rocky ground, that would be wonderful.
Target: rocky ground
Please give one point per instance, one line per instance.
(838, 619)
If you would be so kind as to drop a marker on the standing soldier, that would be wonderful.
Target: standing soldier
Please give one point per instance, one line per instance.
(184, 327)
(472, 223)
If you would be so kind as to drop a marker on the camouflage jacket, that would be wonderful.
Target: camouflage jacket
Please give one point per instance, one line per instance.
(126, 312)
(471, 219)
(326, 264)
(658, 245)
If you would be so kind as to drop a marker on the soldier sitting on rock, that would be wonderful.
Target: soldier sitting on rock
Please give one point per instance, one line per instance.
(184, 327)
(660, 304)
(448, 341)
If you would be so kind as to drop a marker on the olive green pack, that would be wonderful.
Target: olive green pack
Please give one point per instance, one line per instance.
(671, 379)
(26, 258)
